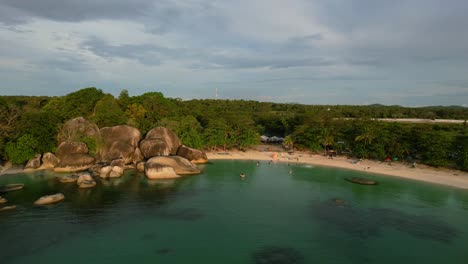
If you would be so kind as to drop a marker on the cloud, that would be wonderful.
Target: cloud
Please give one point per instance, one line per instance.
(322, 51)
(74, 11)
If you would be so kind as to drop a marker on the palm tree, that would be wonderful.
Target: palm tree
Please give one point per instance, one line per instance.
(288, 142)
(367, 136)
(326, 139)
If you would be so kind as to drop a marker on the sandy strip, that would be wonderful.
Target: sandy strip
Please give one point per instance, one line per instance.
(444, 176)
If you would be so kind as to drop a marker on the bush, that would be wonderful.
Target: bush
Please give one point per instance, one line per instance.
(22, 150)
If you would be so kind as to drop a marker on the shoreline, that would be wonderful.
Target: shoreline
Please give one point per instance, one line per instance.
(425, 173)
(441, 176)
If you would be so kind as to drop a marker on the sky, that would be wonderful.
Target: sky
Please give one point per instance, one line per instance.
(399, 52)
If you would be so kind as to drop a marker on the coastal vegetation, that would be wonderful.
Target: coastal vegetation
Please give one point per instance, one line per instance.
(31, 125)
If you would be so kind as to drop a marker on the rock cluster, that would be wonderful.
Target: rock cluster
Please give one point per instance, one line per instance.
(113, 149)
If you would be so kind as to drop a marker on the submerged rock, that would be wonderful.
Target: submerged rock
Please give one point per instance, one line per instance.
(87, 184)
(69, 178)
(7, 208)
(84, 177)
(277, 255)
(48, 199)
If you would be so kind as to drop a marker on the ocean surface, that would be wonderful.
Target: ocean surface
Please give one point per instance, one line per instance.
(278, 213)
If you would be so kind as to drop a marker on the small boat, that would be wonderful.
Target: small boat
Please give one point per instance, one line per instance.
(48, 199)
(3, 200)
(242, 175)
(87, 184)
(362, 181)
(7, 208)
(11, 187)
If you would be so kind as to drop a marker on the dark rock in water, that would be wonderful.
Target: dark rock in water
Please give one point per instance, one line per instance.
(277, 255)
(361, 181)
(368, 223)
(420, 226)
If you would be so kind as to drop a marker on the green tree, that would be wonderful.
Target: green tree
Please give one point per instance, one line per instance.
(22, 150)
(107, 112)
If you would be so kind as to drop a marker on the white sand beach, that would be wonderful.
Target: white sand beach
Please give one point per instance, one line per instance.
(444, 176)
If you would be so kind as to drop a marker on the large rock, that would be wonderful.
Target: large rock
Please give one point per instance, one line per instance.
(154, 147)
(155, 171)
(137, 156)
(77, 129)
(74, 162)
(34, 163)
(165, 135)
(119, 142)
(193, 155)
(71, 147)
(180, 165)
(49, 160)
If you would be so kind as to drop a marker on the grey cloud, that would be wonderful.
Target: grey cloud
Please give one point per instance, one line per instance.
(144, 53)
(151, 54)
(72, 10)
(70, 64)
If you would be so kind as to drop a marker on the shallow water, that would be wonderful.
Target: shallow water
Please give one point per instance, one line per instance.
(270, 216)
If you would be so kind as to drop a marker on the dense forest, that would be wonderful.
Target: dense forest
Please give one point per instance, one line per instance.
(30, 125)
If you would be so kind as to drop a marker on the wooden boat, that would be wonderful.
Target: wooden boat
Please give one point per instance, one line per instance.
(362, 181)
(11, 187)
(7, 208)
(48, 199)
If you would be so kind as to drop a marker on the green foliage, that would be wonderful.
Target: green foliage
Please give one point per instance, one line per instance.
(187, 128)
(436, 146)
(22, 150)
(214, 124)
(79, 103)
(92, 144)
(43, 126)
(107, 112)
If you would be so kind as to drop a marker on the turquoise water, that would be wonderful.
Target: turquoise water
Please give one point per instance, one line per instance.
(271, 216)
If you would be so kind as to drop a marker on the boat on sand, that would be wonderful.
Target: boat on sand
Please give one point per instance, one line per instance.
(48, 199)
